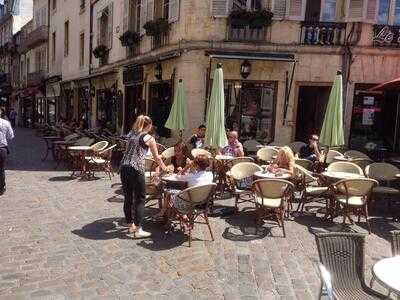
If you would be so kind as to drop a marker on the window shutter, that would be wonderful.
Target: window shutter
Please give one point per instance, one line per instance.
(126, 13)
(110, 25)
(296, 10)
(279, 9)
(329, 11)
(219, 8)
(143, 16)
(173, 11)
(355, 10)
(98, 38)
(150, 10)
(371, 10)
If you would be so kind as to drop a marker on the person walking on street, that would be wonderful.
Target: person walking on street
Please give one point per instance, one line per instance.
(12, 117)
(133, 173)
(6, 134)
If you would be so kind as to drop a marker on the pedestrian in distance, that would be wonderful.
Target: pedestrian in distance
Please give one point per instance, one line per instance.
(6, 134)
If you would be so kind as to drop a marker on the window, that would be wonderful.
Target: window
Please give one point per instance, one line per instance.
(82, 4)
(166, 9)
(53, 40)
(247, 4)
(28, 65)
(329, 11)
(81, 49)
(66, 38)
(397, 13)
(383, 12)
(54, 4)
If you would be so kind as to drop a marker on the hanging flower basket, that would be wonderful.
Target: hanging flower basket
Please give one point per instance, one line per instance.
(100, 51)
(239, 18)
(260, 18)
(129, 38)
(156, 27)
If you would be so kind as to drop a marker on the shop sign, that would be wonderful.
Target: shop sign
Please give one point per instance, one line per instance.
(385, 35)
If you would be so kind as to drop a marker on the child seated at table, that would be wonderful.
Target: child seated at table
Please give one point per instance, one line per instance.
(181, 157)
(195, 173)
(284, 162)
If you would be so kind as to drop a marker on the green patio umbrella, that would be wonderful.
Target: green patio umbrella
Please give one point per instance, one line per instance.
(215, 131)
(332, 133)
(177, 119)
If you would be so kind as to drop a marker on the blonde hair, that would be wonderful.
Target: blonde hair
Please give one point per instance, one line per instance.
(141, 123)
(285, 156)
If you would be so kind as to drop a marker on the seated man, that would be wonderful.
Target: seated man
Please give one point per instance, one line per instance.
(197, 139)
(311, 151)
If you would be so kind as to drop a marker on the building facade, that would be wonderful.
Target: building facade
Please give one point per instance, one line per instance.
(13, 15)
(278, 69)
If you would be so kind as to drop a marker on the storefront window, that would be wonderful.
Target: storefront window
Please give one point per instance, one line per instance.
(40, 113)
(383, 12)
(250, 109)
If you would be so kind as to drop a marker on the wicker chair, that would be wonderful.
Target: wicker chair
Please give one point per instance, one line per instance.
(242, 176)
(196, 152)
(152, 190)
(309, 186)
(296, 146)
(344, 166)
(356, 154)
(395, 242)
(238, 160)
(251, 146)
(353, 195)
(101, 161)
(99, 146)
(267, 154)
(330, 158)
(305, 163)
(271, 195)
(192, 203)
(342, 257)
(167, 154)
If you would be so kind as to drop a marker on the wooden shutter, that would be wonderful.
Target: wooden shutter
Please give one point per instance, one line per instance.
(279, 9)
(110, 30)
(371, 11)
(150, 10)
(219, 8)
(126, 11)
(98, 37)
(173, 11)
(355, 10)
(296, 9)
(143, 15)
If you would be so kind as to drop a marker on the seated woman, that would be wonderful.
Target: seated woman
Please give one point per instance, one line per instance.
(195, 173)
(284, 162)
(234, 148)
(181, 157)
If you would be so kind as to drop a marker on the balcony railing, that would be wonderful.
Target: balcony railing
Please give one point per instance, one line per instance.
(322, 33)
(35, 78)
(37, 36)
(159, 41)
(246, 33)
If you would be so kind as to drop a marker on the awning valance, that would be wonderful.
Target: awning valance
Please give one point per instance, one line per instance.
(275, 56)
(389, 85)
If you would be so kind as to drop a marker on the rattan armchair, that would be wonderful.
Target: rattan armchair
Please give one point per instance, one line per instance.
(311, 187)
(267, 154)
(354, 195)
(342, 257)
(191, 204)
(296, 146)
(196, 152)
(305, 163)
(395, 242)
(356, 154)
(271, 195)
(251, 146)
(101, 161)
(330, 157)
(344, 166)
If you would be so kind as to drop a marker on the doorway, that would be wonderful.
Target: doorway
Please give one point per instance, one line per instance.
(134, 105)
(160, 102)
(311, 108)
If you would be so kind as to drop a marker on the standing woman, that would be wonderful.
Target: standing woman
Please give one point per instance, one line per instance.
(133, 173)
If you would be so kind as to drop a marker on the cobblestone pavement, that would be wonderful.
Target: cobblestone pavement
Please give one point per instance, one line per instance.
(60, 239)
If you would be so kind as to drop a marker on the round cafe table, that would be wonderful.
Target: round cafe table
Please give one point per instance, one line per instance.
(270, 175)
(82, 151)
(336, 176)
(387, 273)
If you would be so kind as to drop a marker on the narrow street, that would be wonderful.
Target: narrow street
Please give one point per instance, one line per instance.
(60, 239)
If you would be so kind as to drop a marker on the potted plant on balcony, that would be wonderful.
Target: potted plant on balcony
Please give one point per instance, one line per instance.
(100, 51)
(260, 18)
(239, 18)
(129, 38)
(156, 27)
